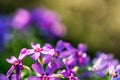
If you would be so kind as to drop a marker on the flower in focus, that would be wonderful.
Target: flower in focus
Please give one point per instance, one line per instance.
(44, 75)
(100, 66)
(20, 19)
(37, 50)
(56, 56)
(78, 56)
(49, 22)
(114, 72)
(68, 73)
(17, 63)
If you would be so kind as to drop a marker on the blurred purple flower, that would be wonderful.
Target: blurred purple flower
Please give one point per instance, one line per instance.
(68, 73)
(114, 72)
(21, 19)
(3, 77)
(17, 63)
(37, 50)
(100, 66)
(44, 75)
(49, 22)
(78, 56)
(4, 23)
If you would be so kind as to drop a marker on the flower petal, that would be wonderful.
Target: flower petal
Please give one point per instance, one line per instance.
(59, 46)
(69, 47)
(53, 78)
(10, 70)
(82, 47)
(48, 51)
(58, 63)
(99, 73)
(34, 78)
(13, 77)
(35, 56)
(65, 73)
(111, 68)
(51, 68)
(37, 67)
(47, 58)
(34, 46)
(65, 54)
(72, 61)
(11, 60)
(3, 77)
(23, 54)
(47, 46)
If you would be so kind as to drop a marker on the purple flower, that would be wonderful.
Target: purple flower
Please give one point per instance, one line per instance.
(3, 77)
(20, 19)
(101, 64)
(44, 75)
(78, 56)
(56, 56)
(17, 63)
(37, 50)
(114, 71)
(49, 22)
(68, 73)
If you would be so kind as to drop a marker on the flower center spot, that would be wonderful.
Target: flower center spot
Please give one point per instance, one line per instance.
(38, 49)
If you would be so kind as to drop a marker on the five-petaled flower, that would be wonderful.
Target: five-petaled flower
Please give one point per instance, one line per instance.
(17, 63)
(37, 50)
(44, 75)
(68, 73)
(114, 71)
(56, 56)
(78, 56)
(100, 66)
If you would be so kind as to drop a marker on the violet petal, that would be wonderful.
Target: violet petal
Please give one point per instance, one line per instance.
(34, 46)
(11, 60)
(10, 70)
(65, 73)
(51, 68)
(35, 56)
(59, 46)
(3, 77)
(34, 78)
(58, 63)
(48, 51)
(47, 58)
(37, 67)
(23, 54)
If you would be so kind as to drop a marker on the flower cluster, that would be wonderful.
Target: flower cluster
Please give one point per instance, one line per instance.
(47, 22)
(63, 62)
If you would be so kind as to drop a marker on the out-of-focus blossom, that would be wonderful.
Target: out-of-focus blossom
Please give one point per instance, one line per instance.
(21, 18)
(37, 50)
(114, 72)
(49, 22)
(4, 22)
(68, 73)
(17, 63)
(100, 66)
(44, 75)
(3, 77)
(78, 56)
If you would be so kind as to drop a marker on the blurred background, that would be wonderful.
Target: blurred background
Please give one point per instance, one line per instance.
(94, 22)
